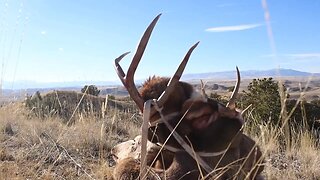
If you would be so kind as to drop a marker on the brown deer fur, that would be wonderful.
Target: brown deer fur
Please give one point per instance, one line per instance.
(152, 89)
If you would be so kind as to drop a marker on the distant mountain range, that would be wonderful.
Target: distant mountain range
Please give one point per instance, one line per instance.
(250, 74)
(225, 75)
(44, 85)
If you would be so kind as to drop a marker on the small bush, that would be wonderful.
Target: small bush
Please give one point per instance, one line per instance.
(264, 96)
(91, 89)
(306, 114)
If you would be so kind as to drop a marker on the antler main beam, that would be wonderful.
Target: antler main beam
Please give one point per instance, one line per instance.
(128, 80)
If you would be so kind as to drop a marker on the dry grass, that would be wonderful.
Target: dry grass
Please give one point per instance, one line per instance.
(298, 160)
(33, 148)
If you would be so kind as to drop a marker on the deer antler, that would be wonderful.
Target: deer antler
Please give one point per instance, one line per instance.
(176, 77)
(128, 80)
(232, 102)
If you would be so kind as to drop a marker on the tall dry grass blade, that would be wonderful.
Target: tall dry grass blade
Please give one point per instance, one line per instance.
(102, 138)
(197, 161)
(144, 129)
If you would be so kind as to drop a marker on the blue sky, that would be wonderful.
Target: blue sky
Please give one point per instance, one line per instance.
(53, 41)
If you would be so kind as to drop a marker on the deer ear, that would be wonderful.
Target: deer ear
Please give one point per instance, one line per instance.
(200, 114)
(204, 121)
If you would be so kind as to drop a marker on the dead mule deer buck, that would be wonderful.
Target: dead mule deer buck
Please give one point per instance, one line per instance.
(210, 128)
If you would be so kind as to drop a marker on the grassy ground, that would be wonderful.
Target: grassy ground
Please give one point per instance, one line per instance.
(298, 158)
(32, 148)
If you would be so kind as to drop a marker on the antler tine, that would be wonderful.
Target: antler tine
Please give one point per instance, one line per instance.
(128, 80)
(119, 69)
(232, 102)
(176, 77)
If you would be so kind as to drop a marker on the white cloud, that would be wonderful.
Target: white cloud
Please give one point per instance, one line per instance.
(294, 56)
(304, 56)
(233, 28)
(43, 32)
(61, 49)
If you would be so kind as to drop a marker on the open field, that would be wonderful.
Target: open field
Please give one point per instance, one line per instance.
(296, 86)
(213, 85)
(46, 148)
